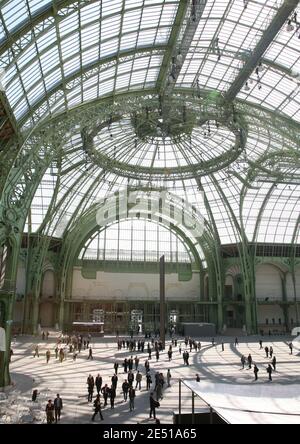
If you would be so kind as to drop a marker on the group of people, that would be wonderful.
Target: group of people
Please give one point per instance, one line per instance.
(66, 344)
(130, 385)
(271, 366)
(53, 410)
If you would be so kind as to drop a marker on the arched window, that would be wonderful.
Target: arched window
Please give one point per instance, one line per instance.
(136, 240)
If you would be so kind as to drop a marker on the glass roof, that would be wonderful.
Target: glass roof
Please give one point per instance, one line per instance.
(85, 52)
(90, 50)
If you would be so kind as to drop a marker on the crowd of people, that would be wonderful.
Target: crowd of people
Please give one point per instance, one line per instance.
(131, 375)
(134, 372)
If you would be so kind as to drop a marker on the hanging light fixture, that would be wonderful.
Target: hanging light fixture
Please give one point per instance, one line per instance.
(260, 67)
(289, 26)
(179, 58)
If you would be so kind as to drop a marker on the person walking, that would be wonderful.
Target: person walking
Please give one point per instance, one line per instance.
(157, 355)
(138, 379)
(236, 342)
(256, 370)
(271, 352)
(98, 383)
(97, 408)
(269, 371)
(90, 392)
(125, 365)
(197, 378)
(125, 388)
(112, 395)
(105, 393)
(187, 357)
(34, 395)
(243, 361)
(36, 352)
(131, 394)
(90, 353)
(169, 376)
(116, 367)
(91, 383)
(56, 352)
(159, 390)
(48, 355)
(250, 361)
(274, 363)
(153, 406)
(148, 380)
(130, 378)
(50, 412)
(291, 347)
(222, 346)
(58, 406)
(114, 381)
(267, 351)
(61, 355)
(261, 344)
(136, 363)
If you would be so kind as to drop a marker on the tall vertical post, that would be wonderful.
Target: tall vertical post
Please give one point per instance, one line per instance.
(162, 300)
(179, 410)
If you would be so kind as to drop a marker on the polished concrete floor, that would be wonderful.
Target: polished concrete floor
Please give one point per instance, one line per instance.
(69, 378)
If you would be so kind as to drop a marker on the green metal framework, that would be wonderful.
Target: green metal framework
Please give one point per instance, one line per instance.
(197, 98)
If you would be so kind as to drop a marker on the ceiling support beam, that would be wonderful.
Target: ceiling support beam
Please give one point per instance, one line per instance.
(8, 123)
(270, 33)
(183, 45)
(176, 28)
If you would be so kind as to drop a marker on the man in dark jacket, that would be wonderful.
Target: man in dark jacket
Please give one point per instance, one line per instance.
(58, 406)
(105, 392)
(112, 394)
(153, 406)
(97, 406)
(114, 381)
(130, 378)
(125, 388)
(98, 382)
(149, 380)
(131, 394)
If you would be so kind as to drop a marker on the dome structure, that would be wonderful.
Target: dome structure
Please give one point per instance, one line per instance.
(196, 98)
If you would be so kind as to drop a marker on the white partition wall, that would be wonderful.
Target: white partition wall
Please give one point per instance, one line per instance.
(133, 286)
(268, 283)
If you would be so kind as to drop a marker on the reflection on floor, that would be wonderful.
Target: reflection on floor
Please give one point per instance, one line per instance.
(69, 378)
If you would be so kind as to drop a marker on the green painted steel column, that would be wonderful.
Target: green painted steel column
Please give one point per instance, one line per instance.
(7, 301)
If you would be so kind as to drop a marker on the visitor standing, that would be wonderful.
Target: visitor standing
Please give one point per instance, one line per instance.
(58, 406)
(50, 412)
(153, 406)
(169, 376)
(131, 394)
(269, 371)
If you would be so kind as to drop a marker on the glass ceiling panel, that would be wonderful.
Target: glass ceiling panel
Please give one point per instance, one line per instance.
(79, 39)
(98, 49)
